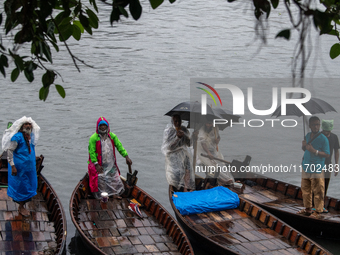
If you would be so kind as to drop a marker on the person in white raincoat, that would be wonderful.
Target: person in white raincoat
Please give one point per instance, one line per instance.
(178, 159)
(207, 143)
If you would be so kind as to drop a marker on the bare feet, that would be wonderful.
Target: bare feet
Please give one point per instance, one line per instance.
(23, 211)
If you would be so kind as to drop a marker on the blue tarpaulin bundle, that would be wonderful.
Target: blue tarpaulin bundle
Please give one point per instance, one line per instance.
(201, 201)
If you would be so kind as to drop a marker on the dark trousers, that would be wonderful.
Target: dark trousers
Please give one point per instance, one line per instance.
(326, 185)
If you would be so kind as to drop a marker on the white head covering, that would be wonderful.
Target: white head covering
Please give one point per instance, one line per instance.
(10, 132)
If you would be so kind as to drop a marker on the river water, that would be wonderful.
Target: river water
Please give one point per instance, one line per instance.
(142, 69)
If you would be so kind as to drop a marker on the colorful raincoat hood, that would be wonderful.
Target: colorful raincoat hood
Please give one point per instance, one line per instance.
(103, 120)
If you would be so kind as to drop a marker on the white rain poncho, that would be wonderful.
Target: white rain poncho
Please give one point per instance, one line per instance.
(108, 181)
(10, 132)
(210, 140)
(178, 159)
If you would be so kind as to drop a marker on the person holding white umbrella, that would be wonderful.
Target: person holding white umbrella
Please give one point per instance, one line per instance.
(178, 159)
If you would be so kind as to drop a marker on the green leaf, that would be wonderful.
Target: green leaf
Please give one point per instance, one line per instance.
(65, 32)
(93, 2)
(84, 20)
(48, 78)
(40, 50)
(322, 21)
(60, 90)
(43, 93)
(135, 9)
(88, 29)
(114, 15)
(54, 45)
(335, 51)
(65, 21)
(15, 74)
(172, 1)
(50, 28)
(284, 33)
(47, 52)
(4, 60)
(266, 8)
(92, 18)
(77, 10)
(60, 17)
(29, 75)
(257, 13)
(275, 3)
(20, 37)
(76, 32)
(33, 48)
(77, 23)
(2, 70)
(123, 11)
(19, 62)
(334, 32)
(155, 3)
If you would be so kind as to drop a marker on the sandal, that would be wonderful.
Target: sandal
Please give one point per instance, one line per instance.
(315, 215)
(324, 210)
(304, 212)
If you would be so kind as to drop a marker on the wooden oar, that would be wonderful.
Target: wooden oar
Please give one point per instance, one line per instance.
(222, 160)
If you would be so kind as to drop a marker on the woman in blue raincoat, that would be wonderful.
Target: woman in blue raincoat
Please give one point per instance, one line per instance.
(19, 141)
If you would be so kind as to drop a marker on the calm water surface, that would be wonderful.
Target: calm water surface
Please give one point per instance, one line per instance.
(143, 69)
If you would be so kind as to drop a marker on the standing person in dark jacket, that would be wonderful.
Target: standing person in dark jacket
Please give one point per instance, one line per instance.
(327, 127)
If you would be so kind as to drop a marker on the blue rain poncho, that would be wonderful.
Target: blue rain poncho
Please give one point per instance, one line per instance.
(23, 186)
(202, 201)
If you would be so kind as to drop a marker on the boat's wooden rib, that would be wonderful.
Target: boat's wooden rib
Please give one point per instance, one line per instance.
(285, 200)
(248, 229)
(111, 228)
(43, 231)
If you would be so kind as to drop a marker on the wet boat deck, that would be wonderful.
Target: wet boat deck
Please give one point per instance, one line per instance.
(241, 233)
(279, 201)
(115, 229)
(25, 235)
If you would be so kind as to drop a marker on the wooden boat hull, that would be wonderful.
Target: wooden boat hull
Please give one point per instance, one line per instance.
(248, 229)
(284, 200)
(44, 229)
(111, 228)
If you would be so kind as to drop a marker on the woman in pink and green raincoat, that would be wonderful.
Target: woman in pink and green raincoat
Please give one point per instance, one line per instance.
(103, 170)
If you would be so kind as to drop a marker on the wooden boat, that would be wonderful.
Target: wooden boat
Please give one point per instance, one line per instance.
(285, 200)
(247, 229)
(44, 231)
(111, 228)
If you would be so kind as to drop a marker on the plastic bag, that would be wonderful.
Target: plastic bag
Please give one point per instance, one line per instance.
(202, 201)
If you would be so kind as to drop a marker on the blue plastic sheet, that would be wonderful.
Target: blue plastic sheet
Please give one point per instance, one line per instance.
(201, 201)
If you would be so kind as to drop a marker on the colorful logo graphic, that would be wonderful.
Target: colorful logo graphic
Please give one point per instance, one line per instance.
(209, 93)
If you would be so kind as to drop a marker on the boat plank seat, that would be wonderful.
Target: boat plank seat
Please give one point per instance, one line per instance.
(27, 235)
